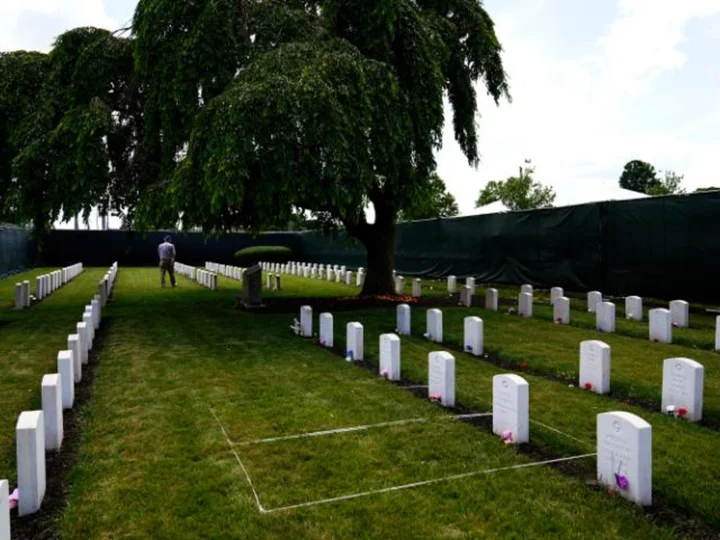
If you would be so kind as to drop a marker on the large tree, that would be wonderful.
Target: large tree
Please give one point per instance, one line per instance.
(670, 183)
(264, 108)
(433, 201)
(518, 192)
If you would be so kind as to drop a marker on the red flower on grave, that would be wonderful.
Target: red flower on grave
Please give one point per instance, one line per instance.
(523, 365)
(588, 386)
(656, 340)
(682, 411)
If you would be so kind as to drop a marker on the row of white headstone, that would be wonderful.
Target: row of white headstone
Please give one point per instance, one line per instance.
(202, 277)
(38, 432)
(336, 273)
(231, 272)
(46, 284)
(623, 440)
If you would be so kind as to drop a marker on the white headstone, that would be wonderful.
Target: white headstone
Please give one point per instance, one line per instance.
(339, 275)
(89, 325)
(52, 411)
(470, 282)
(605, 317)
(390, 356)
(348, 277)
(473, 334)
(73, 344)
(660, 325)
(452, 284)
(359, 278)
(66, 369)
(19, 299)
(403, 319)
(26, 293)
(441, 378)
(511, 408)
(4, 510)
(682, 388)
(593, 299)
(491, 300)
(526, 289)
(416, 288)
(327, 336)
(595, 366)
(466, 296)
(83, 335)
(96, 312)
(561, 310)
(634, 308)
(434, 325)
(624, 455)
(400, 285)
(30, 437)
(525, 305)
(555, 293)
(680, 313)
(306, 322)
(355, 342)
(330, 274)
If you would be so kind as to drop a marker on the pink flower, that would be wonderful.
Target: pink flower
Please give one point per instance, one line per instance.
(507, 437)
(385, 373)
(682, 411)
(588, 386)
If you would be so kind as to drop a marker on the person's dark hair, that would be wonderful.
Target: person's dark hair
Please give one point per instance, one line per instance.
(167, 238)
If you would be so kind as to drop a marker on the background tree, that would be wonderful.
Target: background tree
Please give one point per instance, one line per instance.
(704, 189)
(433, 201)
(518, 192)
(75, 147)
(22, 75)
(262, 108)
(639, 176)
(669, 184)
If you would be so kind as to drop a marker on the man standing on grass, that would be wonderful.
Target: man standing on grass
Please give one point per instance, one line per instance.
(166, 252)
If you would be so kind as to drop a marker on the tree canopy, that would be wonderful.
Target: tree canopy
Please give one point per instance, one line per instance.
(639, 176)
(670, 183)
(261, 108)
(518, 192)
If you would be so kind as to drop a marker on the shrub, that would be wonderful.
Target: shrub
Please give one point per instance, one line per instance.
(249, 256)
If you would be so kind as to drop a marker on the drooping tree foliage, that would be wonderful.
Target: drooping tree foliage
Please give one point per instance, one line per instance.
(76, 144)
(260, 109)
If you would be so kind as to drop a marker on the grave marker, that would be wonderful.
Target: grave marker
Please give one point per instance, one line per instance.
(400, 285)
(327, 335)
(561, 310)
(466, 296)
(434, 323)
(624, 455)
(605, 317)
(252, 286)
(73, 344)
(473, 334)
(348, 277)
(510, 407)
(679, 313)
(526, 289)
(19, 301)
(595, 366)
(30, 454)
(555, 293)
(660, 326)
(4, 510)
(451, 284)
(355, 342)
(403, 319)
(682, 388)
(441, 378)
(491, 300)
(634, 308)
(82, 333)
(52, 409)
(470, 282)
(65, 367)
(525, 305)
(593, 299)
(306, 321)
(417, 288)
(390, 357)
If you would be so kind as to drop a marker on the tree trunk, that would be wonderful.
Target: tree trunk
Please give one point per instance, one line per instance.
(380, 246)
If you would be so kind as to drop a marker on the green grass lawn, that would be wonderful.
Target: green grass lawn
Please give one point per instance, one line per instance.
(180, 371)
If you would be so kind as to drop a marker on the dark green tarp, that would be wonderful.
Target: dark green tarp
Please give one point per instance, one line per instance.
(14, 249)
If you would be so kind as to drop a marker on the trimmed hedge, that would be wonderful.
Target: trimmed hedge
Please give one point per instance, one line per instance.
(252, 255)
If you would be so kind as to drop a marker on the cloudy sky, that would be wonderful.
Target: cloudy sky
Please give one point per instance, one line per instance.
(594, 84)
